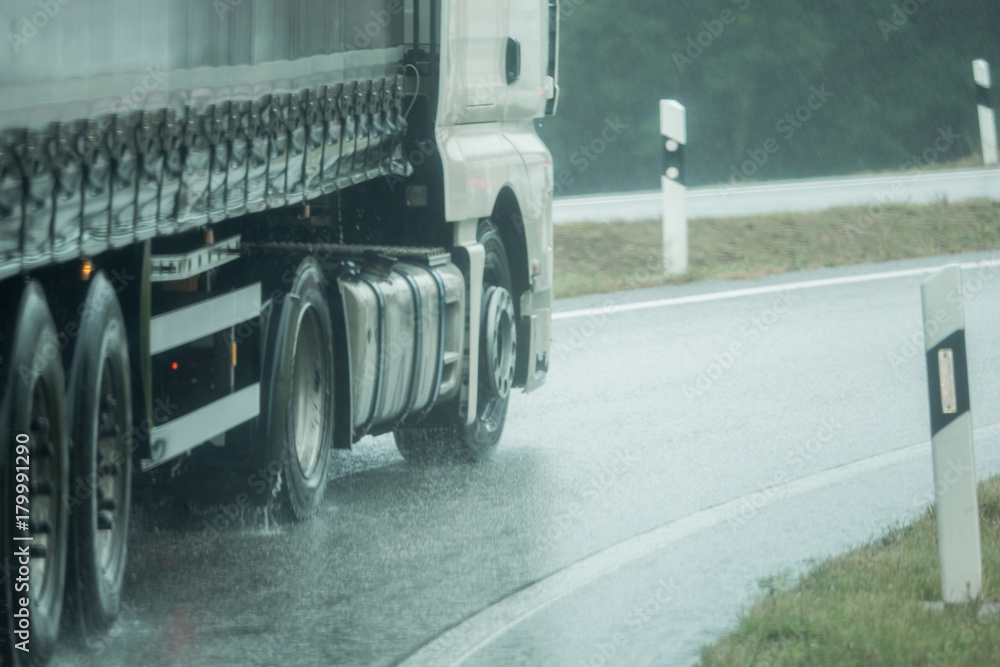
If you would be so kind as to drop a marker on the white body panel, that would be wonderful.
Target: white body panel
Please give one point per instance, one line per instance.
(487, 140)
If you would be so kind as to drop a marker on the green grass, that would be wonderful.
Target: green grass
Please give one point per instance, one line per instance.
(866, 607)
(593, 258)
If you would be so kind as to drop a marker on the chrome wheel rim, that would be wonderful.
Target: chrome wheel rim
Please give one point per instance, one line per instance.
(310, 392)
(109, 481)
(44, 504)
(500, 337)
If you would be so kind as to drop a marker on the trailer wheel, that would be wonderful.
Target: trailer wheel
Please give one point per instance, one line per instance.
(299, 396)
(497, 359)
(7, 652)
(99, 403)
(34, 406)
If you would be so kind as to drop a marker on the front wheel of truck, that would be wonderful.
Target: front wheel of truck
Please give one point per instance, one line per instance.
(497, 360)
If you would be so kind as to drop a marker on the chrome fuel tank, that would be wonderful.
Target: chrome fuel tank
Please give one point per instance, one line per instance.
(405, 330)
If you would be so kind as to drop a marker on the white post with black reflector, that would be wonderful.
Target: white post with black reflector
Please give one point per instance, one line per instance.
(951, 437)
(987, 119)
(673, 137)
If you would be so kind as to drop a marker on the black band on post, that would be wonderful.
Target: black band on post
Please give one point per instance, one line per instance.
(673, 159)
(939, 418)
(983, 96)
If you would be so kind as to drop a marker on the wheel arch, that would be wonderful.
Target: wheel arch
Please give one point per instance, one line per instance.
(509, 222)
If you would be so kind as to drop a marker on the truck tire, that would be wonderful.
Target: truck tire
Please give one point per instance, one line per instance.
(7, 652)
(477, 441)
(34, 406)
(298, 399)
(99, 405)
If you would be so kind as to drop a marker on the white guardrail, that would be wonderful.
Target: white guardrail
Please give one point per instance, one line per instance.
(727, 201)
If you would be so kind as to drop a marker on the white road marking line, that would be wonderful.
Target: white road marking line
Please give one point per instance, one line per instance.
(767, 289)
(457, 645)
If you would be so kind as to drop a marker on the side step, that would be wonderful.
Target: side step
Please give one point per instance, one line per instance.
(185, 433)
(182, 326)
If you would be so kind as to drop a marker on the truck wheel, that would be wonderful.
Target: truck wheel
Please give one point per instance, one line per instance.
(299, 396)
(7, 652)
(497, 359)
(35, 407)
(99, 403)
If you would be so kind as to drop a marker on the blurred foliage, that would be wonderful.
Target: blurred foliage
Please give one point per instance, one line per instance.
(898, 72)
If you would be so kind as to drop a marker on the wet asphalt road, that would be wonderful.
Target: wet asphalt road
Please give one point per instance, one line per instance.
(633, 506)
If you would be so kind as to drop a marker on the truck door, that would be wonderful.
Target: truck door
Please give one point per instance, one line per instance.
(474, 82)
(530, 58)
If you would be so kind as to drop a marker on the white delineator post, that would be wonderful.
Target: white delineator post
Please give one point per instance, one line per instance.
(987, 119)
(673, 137)
(951, 438)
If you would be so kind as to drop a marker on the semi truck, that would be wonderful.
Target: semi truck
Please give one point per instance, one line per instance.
(238, 234)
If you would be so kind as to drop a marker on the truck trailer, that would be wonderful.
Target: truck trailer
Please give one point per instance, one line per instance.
(237, 234)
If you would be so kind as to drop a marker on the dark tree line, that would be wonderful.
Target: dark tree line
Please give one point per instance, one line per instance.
(773, 88)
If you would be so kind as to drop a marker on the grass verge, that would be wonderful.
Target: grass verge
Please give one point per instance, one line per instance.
(593, 258)
(866, 607)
